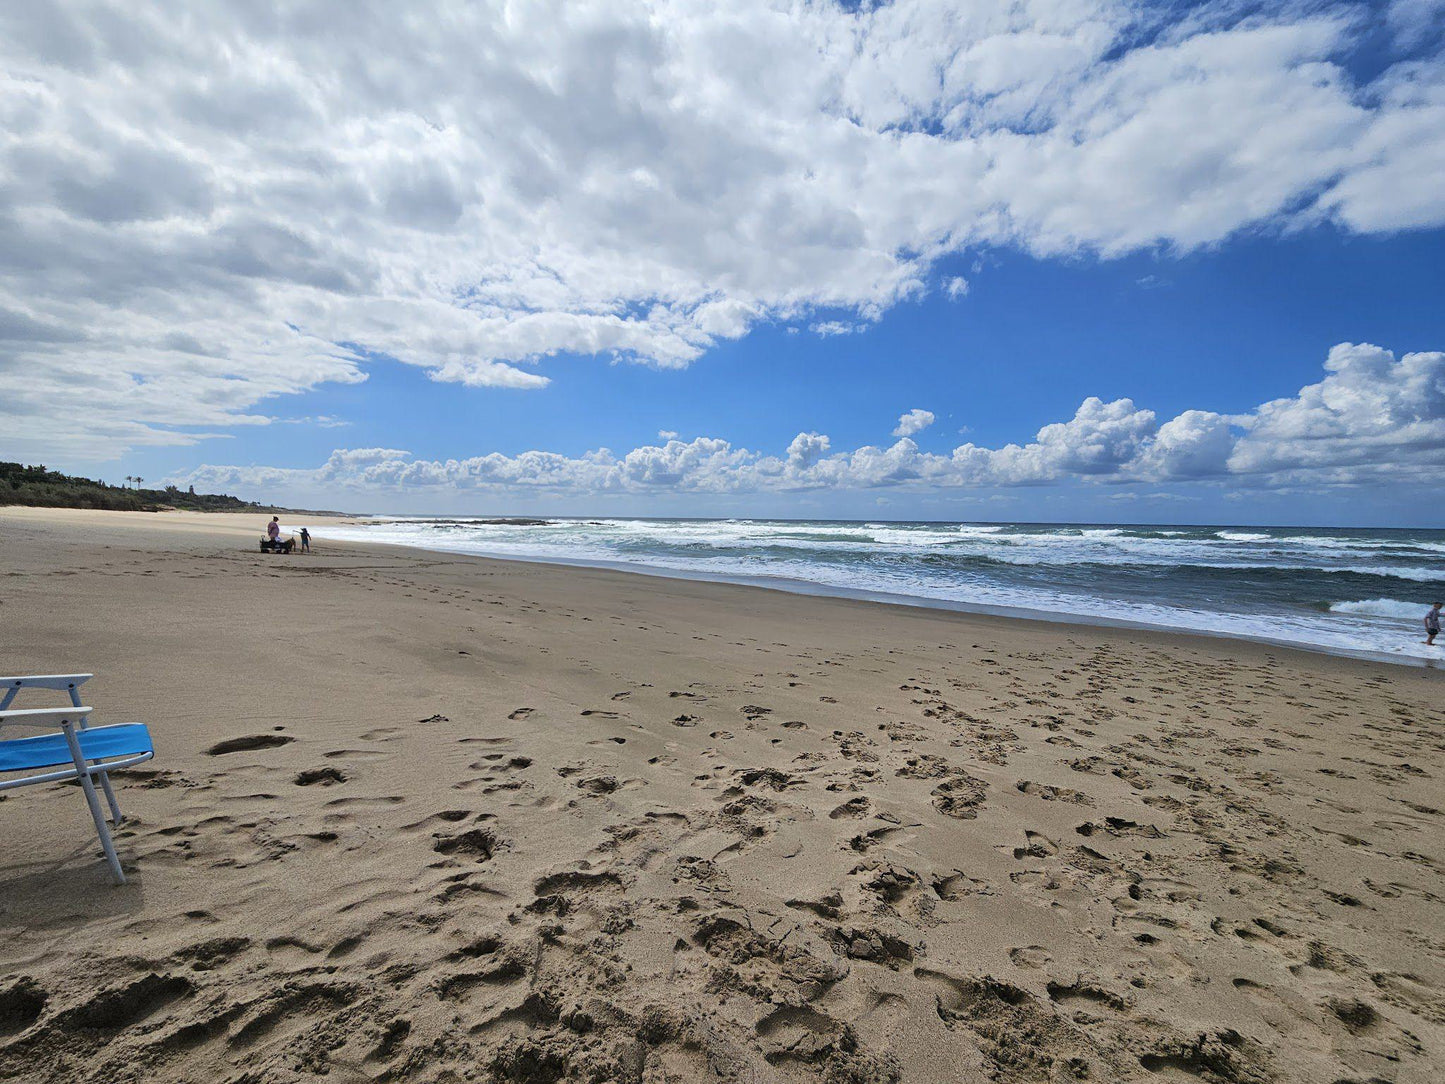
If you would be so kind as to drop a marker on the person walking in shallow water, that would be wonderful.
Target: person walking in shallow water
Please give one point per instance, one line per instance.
(1432, 624)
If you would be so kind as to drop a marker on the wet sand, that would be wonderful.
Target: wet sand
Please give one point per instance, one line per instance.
(418, 817)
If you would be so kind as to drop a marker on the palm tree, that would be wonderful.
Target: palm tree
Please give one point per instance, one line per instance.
(128, 479)
(138, 481)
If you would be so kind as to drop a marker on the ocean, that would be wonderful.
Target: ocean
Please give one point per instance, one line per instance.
(1352, 591)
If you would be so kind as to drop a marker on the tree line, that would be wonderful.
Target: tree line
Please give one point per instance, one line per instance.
(39, 486)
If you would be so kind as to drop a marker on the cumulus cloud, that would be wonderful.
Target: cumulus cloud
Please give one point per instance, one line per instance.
(1371, 414)
(915, 421)
(1370, 418)
(806, 449)
(204, 210)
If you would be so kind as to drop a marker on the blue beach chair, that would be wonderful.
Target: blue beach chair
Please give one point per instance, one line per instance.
(77, 750)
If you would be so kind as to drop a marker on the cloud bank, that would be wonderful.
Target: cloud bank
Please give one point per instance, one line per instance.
(204, 209)
(1372, 418)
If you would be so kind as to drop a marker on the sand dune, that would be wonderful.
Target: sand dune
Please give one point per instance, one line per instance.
(430, 818)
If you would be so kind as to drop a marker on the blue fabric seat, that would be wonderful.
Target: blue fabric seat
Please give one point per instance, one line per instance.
(96, 743)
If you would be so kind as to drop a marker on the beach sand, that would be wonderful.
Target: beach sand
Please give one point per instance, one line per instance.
(417, 817)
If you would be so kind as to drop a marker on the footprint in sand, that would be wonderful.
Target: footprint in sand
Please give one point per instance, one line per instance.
(21, 1005)
(477, 844)
(324, 777)
(1038, 846)
(1030, 957)
(446, 816)
(1085, 991)
(1050, 793)
(598, 784)
(520, 713)
(491, 761)
(248, 743)
(213, 953)
(118, 1007)
(853, 807)
(382, 800)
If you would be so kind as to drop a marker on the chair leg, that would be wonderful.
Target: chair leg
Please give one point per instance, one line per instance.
(93, 800)
(115, 817)
(101, 828)
(115, 814)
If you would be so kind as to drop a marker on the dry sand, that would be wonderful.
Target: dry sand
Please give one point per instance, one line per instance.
(428, 818)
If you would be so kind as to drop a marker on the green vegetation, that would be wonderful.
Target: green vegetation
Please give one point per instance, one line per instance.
(51, 489)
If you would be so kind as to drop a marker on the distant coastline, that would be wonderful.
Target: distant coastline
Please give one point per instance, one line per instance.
(38, 487)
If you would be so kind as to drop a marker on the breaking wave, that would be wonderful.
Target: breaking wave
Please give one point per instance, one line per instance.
(1338, 590)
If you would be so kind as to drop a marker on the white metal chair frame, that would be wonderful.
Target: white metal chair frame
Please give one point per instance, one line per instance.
(69, 719)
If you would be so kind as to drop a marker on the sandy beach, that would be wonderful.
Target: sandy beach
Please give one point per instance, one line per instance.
(431, 818)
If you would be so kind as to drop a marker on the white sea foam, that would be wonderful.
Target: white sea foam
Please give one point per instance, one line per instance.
(1382, 607)
(1252, 584)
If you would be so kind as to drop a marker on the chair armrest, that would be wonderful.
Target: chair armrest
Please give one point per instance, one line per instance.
(43, 681)
(42, 716)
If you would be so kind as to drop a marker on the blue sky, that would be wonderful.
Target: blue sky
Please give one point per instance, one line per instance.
(1223, 330)
(323, 278)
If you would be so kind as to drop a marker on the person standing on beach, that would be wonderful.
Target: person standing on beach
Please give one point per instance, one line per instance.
(1432, 624)
(273, 529)
(305, 540)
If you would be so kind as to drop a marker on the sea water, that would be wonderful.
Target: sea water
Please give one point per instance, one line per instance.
(1354, 591)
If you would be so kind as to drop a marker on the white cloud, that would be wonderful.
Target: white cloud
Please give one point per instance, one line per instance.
(206, 209)
(1196, 444)
(956, 287)
(1415, 20)
(1401, 156)
(319, 421)
(915, 421)
(806, 449)
(1371, 418)
(666, 434)
(829, 328)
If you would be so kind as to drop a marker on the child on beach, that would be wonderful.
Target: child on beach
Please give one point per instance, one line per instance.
(1432, 623)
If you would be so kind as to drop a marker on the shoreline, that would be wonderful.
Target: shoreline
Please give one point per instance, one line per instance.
(812, 588)
(237, 525)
